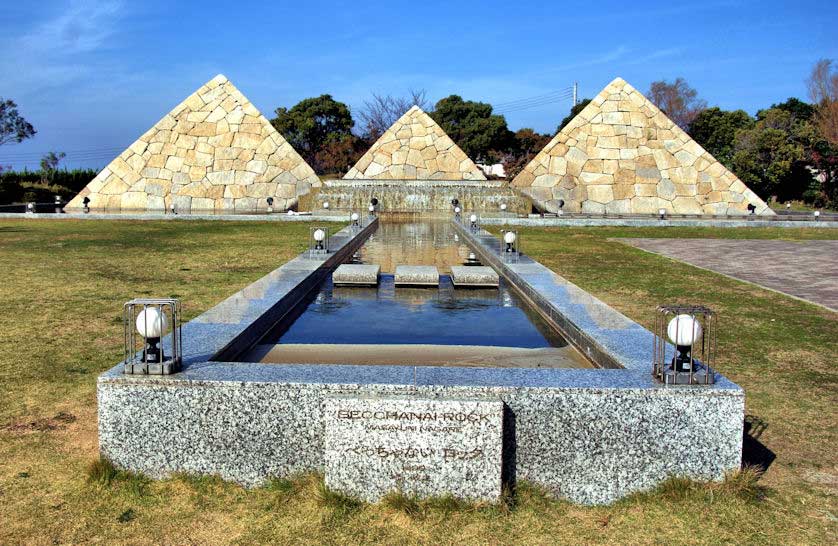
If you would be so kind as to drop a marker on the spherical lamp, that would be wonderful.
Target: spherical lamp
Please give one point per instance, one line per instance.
(683, 331)
(326, 205)
(319, 236)
(151, 324)
(509, 238)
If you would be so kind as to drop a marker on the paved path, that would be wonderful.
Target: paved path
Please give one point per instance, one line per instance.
(804, 269)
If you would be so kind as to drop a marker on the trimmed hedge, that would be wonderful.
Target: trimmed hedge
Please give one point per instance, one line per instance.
(25, 186)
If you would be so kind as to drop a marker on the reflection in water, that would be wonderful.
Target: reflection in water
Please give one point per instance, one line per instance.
(411, 242)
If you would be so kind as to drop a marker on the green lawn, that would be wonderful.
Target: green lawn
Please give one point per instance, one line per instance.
(65, 282)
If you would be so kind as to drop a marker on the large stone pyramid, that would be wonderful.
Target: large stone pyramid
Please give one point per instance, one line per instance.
(415, 148)
(213, 152)
(621, 154)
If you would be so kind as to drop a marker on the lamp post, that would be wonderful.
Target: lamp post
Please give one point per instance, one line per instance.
(684, 347)
(509, 238)
(817, 215)
(662, 214)
(318, 240)
(86, 203)
(30, 208)
(270, 204)
(326, 205)
(457, 211)
(473, 222)
(146, 321)
(58, 203)
(319, 237)
(354, 218)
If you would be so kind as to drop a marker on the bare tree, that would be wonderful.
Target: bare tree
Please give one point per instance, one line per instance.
(382, 111)
(823, 92)
(678, 100)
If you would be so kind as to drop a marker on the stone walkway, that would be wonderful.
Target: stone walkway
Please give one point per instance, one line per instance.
(804, 269)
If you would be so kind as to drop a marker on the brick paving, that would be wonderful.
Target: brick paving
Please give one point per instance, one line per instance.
(805, 269)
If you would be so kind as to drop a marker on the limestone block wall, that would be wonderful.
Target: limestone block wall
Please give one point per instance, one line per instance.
(415, 148)
(621, 154)
(213, 152)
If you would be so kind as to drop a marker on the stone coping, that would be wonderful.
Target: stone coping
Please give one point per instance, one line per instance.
(274, 217)
(353, 182)
(217, 336)
(606, 336)
(744, 222)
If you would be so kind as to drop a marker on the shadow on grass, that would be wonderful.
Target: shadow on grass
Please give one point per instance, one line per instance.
(754, 453)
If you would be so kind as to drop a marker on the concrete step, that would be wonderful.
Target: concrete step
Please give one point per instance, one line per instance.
(356, 274)
(416, 275)
(474, 276)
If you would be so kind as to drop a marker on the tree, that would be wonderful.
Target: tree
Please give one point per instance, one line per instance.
(49, 164)
(715, 129)
(312, 122)
(13, 127)
(677, 100)
(527, 143)
(798, 109)
(823, 92)
(573, 113)
(770, 156)
(483, 136)
(381, 111)
(338, 154)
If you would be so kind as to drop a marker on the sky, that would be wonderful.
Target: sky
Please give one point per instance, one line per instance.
(92, 76)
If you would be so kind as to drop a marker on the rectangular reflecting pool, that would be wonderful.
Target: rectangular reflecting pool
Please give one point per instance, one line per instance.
(443, 326)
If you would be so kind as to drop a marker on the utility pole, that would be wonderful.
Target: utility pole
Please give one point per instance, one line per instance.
(575, 92)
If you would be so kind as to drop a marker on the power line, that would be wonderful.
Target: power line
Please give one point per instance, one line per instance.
(32, 156)
(535, 104)
(504, 105)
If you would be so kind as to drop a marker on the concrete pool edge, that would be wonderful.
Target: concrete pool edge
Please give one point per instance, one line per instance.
(590, 435)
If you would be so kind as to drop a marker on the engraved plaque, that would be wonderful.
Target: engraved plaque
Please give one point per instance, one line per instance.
(420, 446)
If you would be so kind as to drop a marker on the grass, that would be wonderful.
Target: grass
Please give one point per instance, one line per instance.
(63, 288)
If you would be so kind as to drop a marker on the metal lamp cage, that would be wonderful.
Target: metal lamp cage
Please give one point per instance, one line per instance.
(510, 254)
(315, 247)
(356, 225)
(682, 365)
(150, 355)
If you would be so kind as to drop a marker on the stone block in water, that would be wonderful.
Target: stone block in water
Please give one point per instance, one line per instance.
(356, 274)
(416, 275)
(462, 275)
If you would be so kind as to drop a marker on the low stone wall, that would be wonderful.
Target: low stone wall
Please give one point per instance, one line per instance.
(421, 196)
(589, 435)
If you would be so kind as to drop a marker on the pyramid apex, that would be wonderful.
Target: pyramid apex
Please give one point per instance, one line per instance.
(220, 78)
(618, 81)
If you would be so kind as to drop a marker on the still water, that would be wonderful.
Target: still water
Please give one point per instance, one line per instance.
(440, 325)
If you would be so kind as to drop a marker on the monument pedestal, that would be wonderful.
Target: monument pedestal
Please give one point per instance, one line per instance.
(418, 446)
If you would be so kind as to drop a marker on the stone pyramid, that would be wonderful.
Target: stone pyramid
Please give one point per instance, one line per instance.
(213, 152)
(415, 148)
(621, 154)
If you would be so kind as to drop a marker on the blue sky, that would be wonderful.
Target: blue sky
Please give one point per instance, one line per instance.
(93, 76)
